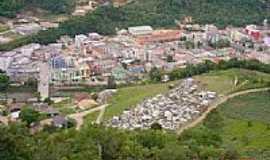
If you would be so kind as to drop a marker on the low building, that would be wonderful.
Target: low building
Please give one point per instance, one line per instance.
(140, 30)
(60, 121)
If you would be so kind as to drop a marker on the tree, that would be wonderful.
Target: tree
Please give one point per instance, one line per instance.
(155, 75)
(29, 115)
(231, 154)
(111, 84)
(156, 126)
(9, 8)
(170, 58)
(4, 82)
(174, 152)
(48, 101)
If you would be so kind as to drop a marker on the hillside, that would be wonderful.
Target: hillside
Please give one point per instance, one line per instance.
(243, 124)
(157, 13)
(9, 8)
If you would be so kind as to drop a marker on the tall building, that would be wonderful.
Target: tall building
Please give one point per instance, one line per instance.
(43, 82)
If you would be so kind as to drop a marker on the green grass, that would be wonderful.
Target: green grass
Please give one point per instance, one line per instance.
(130, 96)
(254, 106)
(92, 117)
(65, 107)
(222, 82)
(246, 124)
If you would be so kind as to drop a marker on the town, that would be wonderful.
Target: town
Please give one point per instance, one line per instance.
(126, 58)
(134, 79)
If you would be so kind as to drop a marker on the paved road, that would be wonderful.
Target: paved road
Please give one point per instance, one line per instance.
(218, 102)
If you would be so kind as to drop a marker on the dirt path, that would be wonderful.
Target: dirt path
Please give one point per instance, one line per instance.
(78, 117)
(101, 113)
(218, 102)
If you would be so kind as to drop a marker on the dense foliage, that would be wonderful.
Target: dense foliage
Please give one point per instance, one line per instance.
(9, 8)
(29, 115)
(54, 6)
(216, 138)
(207, 66)
(98, 143)
(157, 13)
(4, 82)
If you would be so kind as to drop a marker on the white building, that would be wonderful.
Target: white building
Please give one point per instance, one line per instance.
(140, 30)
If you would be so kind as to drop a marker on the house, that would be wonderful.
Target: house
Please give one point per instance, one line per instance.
(60, 121)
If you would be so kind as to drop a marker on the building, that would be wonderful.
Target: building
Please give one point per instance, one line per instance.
(140, 30)
(44, 79)
(159, 36)
(252, 31)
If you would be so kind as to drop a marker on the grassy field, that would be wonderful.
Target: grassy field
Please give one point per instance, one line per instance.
(130, 96)
(232, 80)
(246, 124)
(92, 117)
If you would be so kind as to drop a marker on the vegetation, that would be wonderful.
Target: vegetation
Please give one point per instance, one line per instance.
(243, 124)
(130, 96)
(238, 129)
(232, 80)
(4, 82)
(157, 13)
(54, 6)
(29, 115)
(9, 8)
(207, 66)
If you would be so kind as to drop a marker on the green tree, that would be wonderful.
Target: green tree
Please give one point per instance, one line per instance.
(29, 115)
(155, 75)
(4, 82)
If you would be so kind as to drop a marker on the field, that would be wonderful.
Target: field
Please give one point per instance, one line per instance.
(232, 80)
(246, 124)
(130, 96)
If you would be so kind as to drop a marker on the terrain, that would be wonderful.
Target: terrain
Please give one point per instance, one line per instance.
(243, 123)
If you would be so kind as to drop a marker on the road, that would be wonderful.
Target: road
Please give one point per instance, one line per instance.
(78, 117)
(213, 106)
(100, 116)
